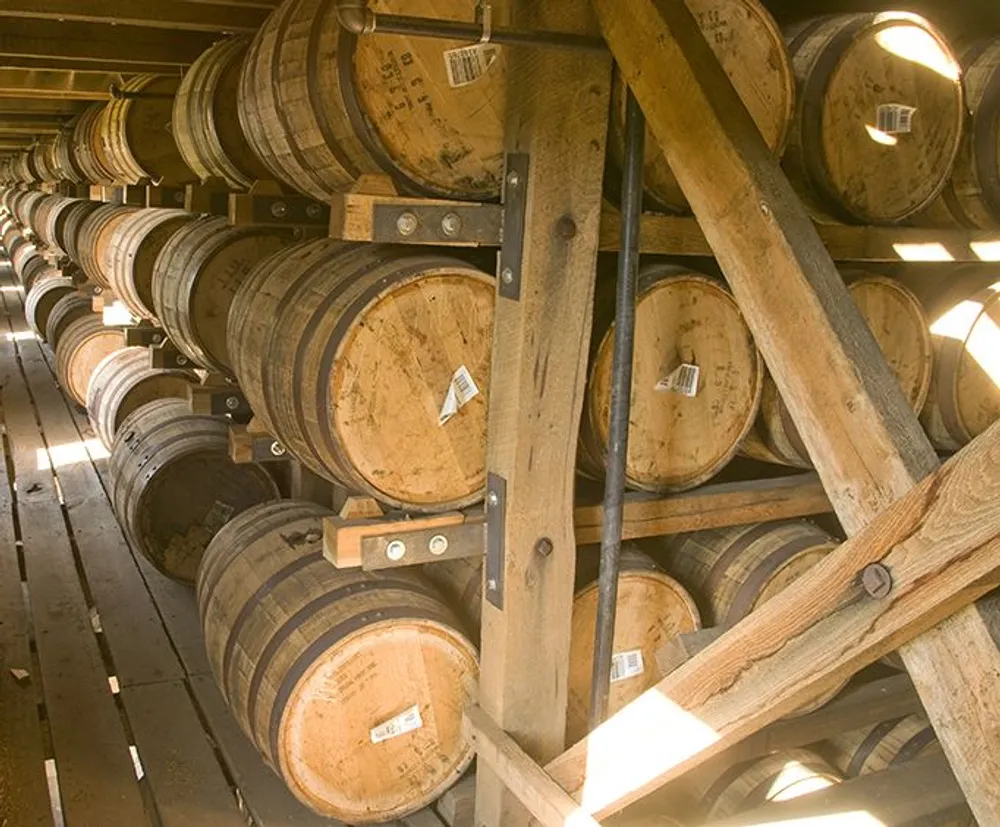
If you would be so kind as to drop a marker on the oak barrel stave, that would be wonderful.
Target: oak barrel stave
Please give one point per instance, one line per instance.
(48, 289)
(79, 350)
(94, 241)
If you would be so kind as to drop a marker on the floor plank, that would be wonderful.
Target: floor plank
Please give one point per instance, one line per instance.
(184, 775)
(96, 775)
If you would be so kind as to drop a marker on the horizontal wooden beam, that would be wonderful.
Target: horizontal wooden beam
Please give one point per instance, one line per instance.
(9, 127)
(923, 791)
(178, 15)
(78, 64)
(98, 42)
(34, 106)
(939, 546)
(54, 85)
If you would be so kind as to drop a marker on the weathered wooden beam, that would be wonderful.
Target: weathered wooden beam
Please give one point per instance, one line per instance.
(99, 42)
(29, 127)
(80, 64)
(32, 107)
(557, 106)
(920, 792)
(54, 85)
(940, 544)
(866, 443)
(178, 15)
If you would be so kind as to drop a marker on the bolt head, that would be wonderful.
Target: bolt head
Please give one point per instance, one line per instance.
(513, 179)
(156, 338)
(279, 209)
(396, 550)
(437, 545)
(492, 500)
(544, 547)
(876, 580)
(507, 275)
(491, 584)
(181, 361)
(313, 210)
(277, 449)
(232, 403)
(451, 224)
(407, 223)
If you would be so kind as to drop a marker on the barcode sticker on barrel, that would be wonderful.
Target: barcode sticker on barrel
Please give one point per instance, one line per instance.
(625, 665)
(462, 390)
(894, 118)
(683, 380)
(404, 722)
(469, 63)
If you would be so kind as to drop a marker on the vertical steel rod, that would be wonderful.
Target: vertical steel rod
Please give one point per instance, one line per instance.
(621, 391)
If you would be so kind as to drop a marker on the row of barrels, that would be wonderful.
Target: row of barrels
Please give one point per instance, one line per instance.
(877, 119)
(371, 363)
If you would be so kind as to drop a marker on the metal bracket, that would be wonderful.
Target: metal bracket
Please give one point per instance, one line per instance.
(465, 224)
(143, 336)
(220, 401)
(428, 545)
(205, 199)
(515, 200)
(496, 523)
(283, 210)
(170, 197)
(165, 356)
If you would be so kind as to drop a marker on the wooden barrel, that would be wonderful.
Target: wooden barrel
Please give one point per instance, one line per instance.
(43, 155)
(350, 683)
(49, 207)
(206, 125)
(123, 382)
(88, 147)
(732, 571)
(696, 382)
(886, 744)
(384, 104)
(35, 269)
(196, 277)
(752, 50)
(12, 239)
(95, 239)
(47, 290)
(746, 786)
(652, 608)
(135, 244)
(22, 255)
(65, 157)
(964, 399)
(139, 140)
(308, 335)
(81, 347)
(65, 311)
(70, 224)
(24, 209)
(25, 170)
(879, 116)
(174, 485)
(898, 322)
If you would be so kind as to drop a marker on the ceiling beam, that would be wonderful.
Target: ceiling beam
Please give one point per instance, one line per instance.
(52, 85)
(77, 64)
(34, 106)
(177, 15)
(98, 42)
(29, 127)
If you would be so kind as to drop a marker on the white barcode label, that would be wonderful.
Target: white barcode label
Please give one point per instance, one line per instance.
(894, 118)
(625, 665)
(404, 722)
(469, 63)
(461, 391)
(684, 380)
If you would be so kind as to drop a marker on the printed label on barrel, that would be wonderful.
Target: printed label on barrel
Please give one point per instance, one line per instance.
(625, 665)
(894, 118)
(683, 380)
(404, 722)
(469, 63)
(462, 390)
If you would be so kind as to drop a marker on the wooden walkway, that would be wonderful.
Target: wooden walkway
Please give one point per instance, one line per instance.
(108, 714)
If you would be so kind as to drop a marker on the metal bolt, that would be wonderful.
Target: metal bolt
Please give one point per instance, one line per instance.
(313, 211)
(438, 545)
(492, 500)
(396, 550)
(181, 360)
(451, 224)
(491, 584)
(544, 547)
(232, 403)
(766, 210)
(407, 223)
(279, 209)
(156, 338)
(507, 275)
(277, 449)
(513, 179)
(178, 197)
(876, 580)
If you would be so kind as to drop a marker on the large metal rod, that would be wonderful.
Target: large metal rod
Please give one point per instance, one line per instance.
(357, 18)
(621, 393)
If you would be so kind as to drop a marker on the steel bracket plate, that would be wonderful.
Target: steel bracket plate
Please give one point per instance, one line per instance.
(496, 524)
(428, 545)
(286, 210)
(143, 336)
(431, 223)
(165, 356)
(515, 200)
(267, 449)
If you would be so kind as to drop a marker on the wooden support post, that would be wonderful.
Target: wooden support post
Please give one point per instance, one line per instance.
(867, 445)
(556, 130)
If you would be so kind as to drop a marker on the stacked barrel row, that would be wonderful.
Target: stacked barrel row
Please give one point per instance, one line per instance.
(876, 118)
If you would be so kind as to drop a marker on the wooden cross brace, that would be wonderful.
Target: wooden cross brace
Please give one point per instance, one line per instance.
(936, 531)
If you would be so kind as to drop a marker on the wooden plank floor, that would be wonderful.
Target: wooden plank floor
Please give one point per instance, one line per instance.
(108, 715)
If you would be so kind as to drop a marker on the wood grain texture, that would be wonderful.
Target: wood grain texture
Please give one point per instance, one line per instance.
(557, 105)
(82, 346)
